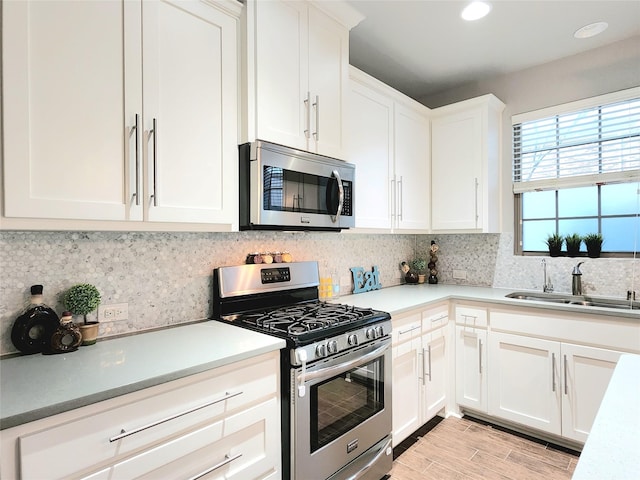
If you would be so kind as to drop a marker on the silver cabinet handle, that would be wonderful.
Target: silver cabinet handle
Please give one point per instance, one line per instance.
(393, 199)
(444, 315)
(135, 131)
(553, 372)
(566, 387)
(307, 108)
(401, 187)
(476, 202)
(429, 357)
(154, 132)
(480, 356)
(411, 329)
(336, 217)
(316, 106)
(124, 433)
(227, 460)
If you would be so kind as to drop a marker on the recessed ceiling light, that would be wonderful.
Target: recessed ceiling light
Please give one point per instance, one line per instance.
(591, 30)
(475, 11)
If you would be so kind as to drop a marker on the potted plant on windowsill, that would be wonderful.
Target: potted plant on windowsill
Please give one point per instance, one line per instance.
(82, 299)
(554, 242)
(593, 242)
(573, 242)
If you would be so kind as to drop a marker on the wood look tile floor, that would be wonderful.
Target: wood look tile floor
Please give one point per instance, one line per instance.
(469, 449)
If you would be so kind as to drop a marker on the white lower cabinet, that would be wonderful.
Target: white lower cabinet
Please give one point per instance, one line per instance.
(419, 369)
(552, 386)
(471, 372)
(223, 423)
(471, 357)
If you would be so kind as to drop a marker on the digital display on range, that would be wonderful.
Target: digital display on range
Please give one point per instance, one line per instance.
(275, 275)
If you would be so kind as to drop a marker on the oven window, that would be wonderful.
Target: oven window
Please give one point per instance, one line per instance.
(343, 402)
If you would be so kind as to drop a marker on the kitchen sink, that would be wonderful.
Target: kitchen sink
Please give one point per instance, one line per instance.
(583, 300)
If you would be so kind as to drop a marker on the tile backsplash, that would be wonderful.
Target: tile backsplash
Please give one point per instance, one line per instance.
(166, 277)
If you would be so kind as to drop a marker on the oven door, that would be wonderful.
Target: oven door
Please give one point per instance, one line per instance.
(342, 411)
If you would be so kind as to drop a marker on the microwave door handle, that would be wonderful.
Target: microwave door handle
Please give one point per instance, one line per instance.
(336, 217)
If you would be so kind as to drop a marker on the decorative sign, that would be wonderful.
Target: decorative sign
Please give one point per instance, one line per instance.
(365, 281)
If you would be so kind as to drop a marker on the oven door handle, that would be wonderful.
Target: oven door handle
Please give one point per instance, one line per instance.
(346, 366)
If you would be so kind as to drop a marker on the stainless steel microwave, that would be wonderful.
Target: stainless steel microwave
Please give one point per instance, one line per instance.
(282, 188)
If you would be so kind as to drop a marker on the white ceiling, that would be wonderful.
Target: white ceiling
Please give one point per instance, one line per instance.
(422, 47)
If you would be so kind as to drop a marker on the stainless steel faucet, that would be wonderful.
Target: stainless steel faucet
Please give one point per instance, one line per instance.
(576, 284)
(546, 286)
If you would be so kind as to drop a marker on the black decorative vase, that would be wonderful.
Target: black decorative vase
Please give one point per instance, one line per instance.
(411, 277)
(433, 279)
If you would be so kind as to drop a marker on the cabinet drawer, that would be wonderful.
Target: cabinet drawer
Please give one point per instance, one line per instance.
(166, 412)
(432, 319)
(471, 316)
(240, 446)
(407, 327)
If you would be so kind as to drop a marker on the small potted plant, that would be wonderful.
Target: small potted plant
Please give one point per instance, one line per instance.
(554, 242)
(419, 265)
(82, 299)
(573, 242)
(593, 242)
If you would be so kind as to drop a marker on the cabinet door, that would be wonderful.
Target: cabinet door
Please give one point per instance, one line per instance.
(412, 169)
(282, 72)
(407, 383)
(328, 63)
(370, 147)
(190, 112)
(434, 378)
(71, 74)
(525, 383)
(586, 373)
(471, 368)
(456, 166)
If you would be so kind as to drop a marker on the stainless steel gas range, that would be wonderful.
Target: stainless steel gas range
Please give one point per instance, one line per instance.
(336, 369)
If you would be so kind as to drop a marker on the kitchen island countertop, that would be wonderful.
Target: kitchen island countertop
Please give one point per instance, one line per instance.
(612, 450)
(37, 386)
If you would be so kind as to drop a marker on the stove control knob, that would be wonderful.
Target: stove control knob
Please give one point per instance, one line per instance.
(321, 350)
(352, 339)
(379, 331)
(371, 334)
(332, 346)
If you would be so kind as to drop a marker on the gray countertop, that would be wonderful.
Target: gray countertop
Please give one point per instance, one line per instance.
(402, 298)
(37, 386)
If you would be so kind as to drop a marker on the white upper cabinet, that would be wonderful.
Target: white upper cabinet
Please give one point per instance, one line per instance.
(79, 139)
(66, 143)
(297, 61)
(388, 140)
(370, 147)
(190, 113)
(465, 165)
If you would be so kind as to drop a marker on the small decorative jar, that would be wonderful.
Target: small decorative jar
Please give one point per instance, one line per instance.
(67, 337)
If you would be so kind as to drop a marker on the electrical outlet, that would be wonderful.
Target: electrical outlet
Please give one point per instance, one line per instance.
(113, 313)
(460, 274)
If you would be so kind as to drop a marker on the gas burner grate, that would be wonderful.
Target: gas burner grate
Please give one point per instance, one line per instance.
(303, 318)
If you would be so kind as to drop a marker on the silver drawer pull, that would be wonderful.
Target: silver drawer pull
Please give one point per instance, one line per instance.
(124, 433)
(444, 315)
(415, 327)
(227, 460)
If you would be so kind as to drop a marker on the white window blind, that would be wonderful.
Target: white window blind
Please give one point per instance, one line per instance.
(594, 145)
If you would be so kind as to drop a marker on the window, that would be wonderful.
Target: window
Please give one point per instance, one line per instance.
(576, 169)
